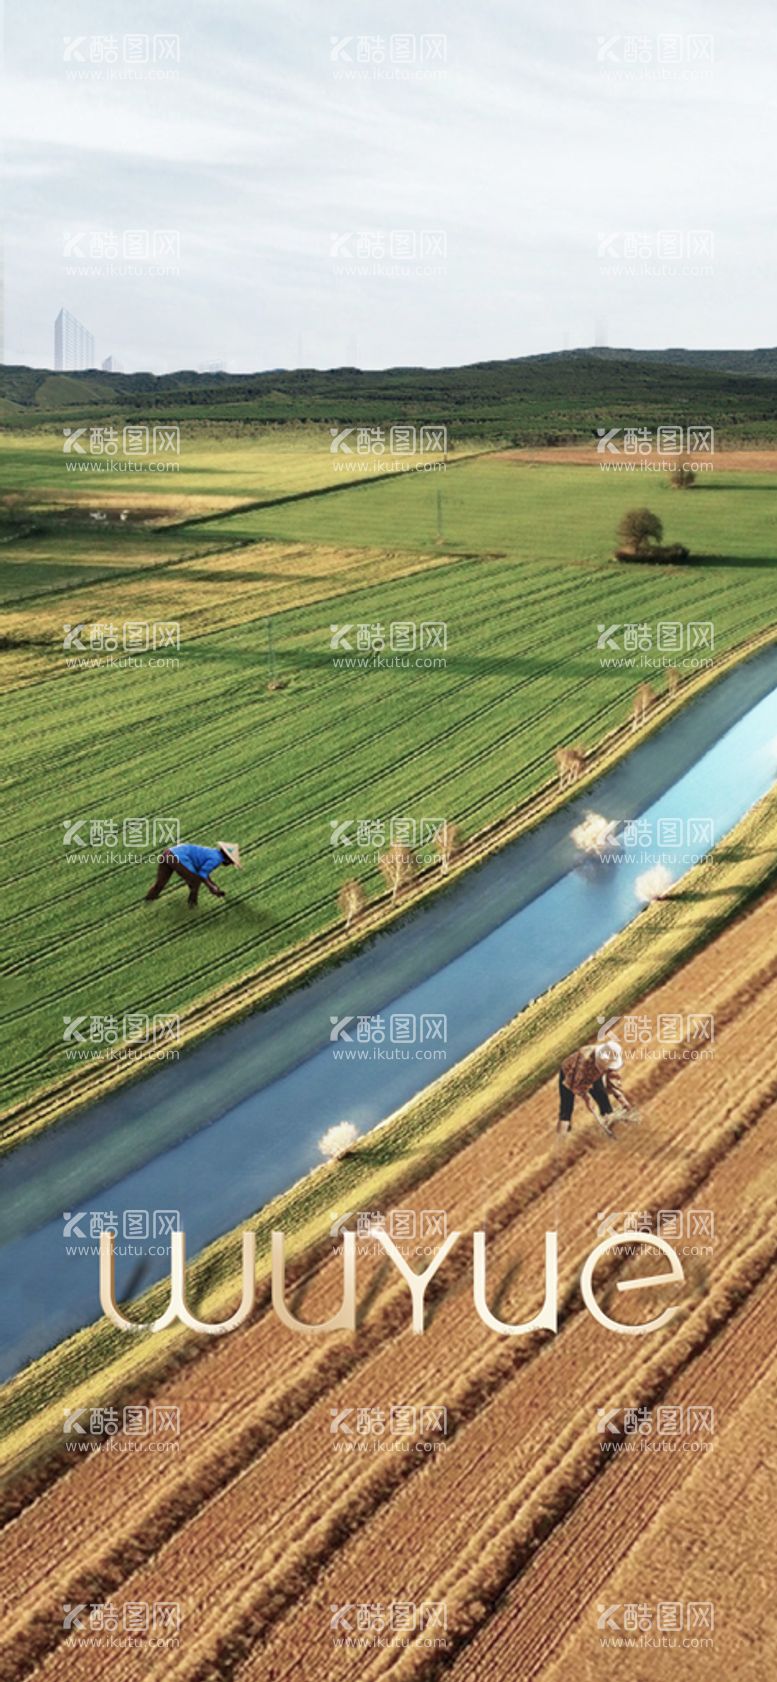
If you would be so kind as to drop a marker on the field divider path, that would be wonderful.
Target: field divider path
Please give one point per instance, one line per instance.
(357, 482)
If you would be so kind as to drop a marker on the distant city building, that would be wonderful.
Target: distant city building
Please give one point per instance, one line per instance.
(73, 343)
(111, 366)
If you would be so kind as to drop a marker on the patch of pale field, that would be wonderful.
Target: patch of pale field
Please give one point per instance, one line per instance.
(146, 508)
(585, 455)
(205, 594)
(209, 471)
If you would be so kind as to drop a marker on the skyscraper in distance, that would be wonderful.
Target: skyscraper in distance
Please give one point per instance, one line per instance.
(73, 343)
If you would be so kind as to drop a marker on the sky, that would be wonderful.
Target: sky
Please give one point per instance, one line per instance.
(315, 183)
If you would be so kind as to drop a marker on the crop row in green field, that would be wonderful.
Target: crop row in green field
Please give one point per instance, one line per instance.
(206, 744)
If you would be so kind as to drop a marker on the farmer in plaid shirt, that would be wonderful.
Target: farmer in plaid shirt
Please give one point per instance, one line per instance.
(592, 1074)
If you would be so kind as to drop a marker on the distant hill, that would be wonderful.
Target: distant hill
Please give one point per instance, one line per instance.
(554, 398)
(762, 363)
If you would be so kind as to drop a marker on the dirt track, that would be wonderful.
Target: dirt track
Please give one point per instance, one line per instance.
(518, 1521)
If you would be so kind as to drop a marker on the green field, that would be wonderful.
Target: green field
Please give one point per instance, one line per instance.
(513, 558)
(531, 512)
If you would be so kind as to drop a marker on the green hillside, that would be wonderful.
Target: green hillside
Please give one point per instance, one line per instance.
(557, 398)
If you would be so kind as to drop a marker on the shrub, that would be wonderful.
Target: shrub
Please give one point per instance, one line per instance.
(656, 553)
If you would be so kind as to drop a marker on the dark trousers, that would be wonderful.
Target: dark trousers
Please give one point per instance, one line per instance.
(567, 1098)
(169, 866)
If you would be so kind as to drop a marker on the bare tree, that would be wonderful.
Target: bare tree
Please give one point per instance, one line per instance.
(643, 701)
(570, 763)
(351, 900)
(446, 842)
(672, 679)
(397, 866)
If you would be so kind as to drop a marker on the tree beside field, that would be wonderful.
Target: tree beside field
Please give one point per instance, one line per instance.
(683, 478)
(351, 900)
(640, 535)
(672, 679)
(638, 530)
(446, 842)
(398, 866)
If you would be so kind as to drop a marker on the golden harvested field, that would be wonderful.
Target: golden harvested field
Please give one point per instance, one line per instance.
(518, 1522)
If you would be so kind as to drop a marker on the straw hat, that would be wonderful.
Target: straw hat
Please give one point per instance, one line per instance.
(232, 851)
(609, 1055)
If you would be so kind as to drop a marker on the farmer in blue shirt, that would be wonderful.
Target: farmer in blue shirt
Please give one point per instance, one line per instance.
(196, 865)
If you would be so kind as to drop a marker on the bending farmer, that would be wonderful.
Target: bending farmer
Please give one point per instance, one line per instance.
(195, 865)
(592, 1074)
